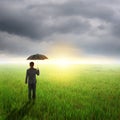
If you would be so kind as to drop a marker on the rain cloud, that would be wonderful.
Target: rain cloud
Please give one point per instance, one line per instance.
(33, 26)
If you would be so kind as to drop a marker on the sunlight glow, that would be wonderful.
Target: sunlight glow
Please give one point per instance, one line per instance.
(62, 62)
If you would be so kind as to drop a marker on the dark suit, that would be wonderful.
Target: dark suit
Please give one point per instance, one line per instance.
(31, 80)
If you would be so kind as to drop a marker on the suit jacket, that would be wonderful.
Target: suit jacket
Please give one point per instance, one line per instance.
(31, 75)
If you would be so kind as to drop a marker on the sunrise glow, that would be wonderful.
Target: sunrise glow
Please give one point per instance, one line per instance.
(64, 61)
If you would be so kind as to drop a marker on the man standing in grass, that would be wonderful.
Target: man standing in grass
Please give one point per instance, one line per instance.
(31, 80)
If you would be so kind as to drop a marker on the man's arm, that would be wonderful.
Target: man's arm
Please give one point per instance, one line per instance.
(37, 72)
(26, 77)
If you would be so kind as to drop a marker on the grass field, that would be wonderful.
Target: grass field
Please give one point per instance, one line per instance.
(76, 92)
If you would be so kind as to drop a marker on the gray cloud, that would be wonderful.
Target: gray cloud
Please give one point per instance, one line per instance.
(37, 25)
(20, 46)
(34, 20)
(93, 25)
(12, 44)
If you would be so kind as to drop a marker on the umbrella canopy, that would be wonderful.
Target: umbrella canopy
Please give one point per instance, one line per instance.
(37, 57)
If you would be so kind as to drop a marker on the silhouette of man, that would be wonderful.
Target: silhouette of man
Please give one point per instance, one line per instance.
(31, 80)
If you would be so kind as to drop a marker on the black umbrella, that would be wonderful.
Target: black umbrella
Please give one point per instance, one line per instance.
(37, 57)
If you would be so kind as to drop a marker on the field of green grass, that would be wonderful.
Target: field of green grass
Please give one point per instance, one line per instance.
(76, 92)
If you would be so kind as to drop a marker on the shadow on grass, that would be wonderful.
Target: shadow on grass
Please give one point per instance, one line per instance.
(19, 114)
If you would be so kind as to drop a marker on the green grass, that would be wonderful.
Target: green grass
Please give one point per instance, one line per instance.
(79, 92)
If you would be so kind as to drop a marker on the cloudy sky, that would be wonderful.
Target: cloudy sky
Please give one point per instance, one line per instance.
(77, 28)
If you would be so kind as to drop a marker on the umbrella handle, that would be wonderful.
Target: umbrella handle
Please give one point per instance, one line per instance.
(37, 65)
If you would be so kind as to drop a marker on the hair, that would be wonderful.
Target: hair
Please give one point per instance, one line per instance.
(31, 64)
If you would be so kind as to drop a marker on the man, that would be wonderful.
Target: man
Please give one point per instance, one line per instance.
(31, 80)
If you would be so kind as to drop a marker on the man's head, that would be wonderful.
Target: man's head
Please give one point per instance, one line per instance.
(31, 64)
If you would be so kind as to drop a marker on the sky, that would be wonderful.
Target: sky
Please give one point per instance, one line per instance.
(79, 29)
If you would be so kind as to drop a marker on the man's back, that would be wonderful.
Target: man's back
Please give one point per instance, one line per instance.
(31, 80)
(31, 75)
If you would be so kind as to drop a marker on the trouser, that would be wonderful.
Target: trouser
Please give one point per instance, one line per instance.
(32, 89)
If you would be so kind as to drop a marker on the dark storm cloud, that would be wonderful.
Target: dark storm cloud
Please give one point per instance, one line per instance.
(115, 29)
(102, 48)
(11, 44)
(20, 46)
(36, 21)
